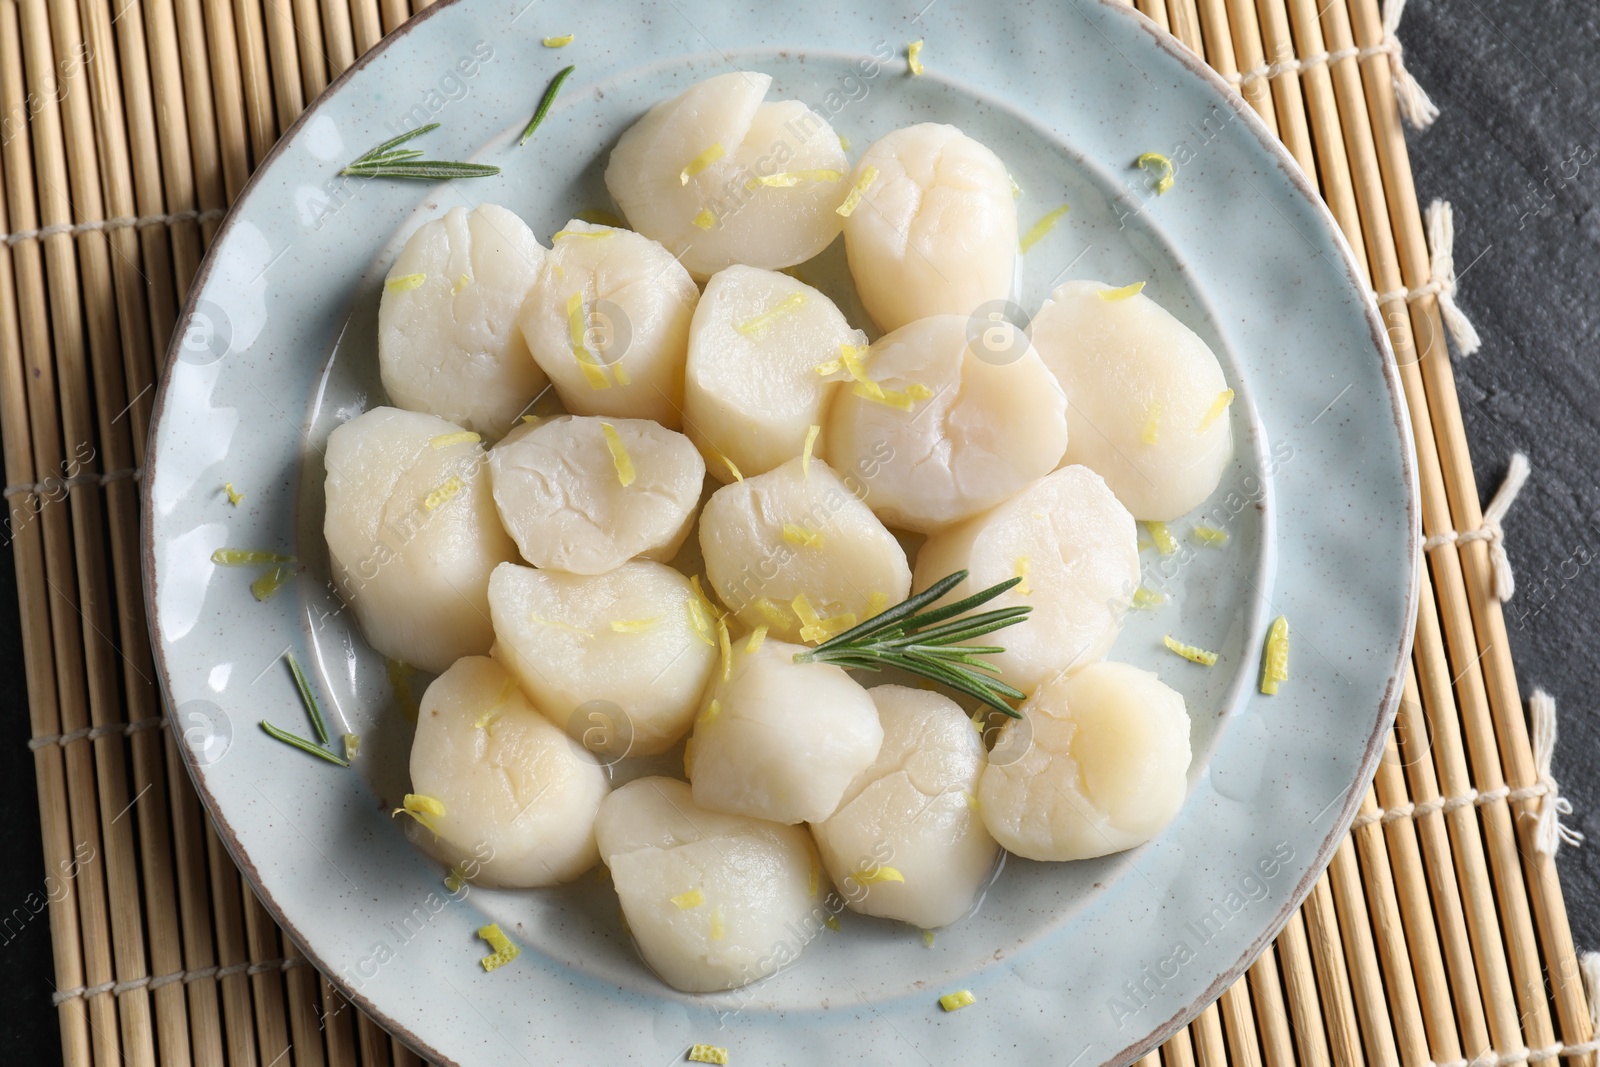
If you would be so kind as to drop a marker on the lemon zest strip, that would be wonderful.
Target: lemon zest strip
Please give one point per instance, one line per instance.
(1165, 543)
(1021, 571)
(858, 189)
(705, 220)
(558, 42)
(504, 950)
(443, 492)
(1218, 406)
(1210, 535)
(692, 899)
(811, 444)
(757, 326)
(558, 624)
(914, 56)
(1275, 662)
(881, 874)
(1144, 599)
(234, 496)
(1192, 653)
(404, 283)
(1121, 293)
(757, 637)
(789, 179)
(799, 535)
(701, 162)
(708, 1054)
(619, 454)
(461, 437)
(577, 323)
(634, 626)
(961, 998)
(1038, 230)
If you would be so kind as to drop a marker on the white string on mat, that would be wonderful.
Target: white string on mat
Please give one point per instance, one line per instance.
(1415, 107)
(157, 981)
(1551, 833)
(1470, 798)
(1589, 969)
(92, 732)
(1442, 279)
(1503, 584)
(53, 485)
(121, 222)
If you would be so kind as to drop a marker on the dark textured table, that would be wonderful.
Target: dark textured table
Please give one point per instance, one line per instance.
(1517, 151)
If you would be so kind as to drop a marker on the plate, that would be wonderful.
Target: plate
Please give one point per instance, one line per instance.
(1075, 963)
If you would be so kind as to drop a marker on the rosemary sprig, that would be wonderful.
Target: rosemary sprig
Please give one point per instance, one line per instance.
(301, 743)
(544, 105)
(308, 698)
(389, 160)
(926, 642)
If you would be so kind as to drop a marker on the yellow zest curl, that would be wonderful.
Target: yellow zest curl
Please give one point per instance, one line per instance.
(405, 283)
(733, 468)
(424, 809)
(634, 626)
(880, 874)
(558, 42)
(246, 557)
(789, 179)
(799, 535)
(1210, 535)
(1157, 163)
(441, 494)
(725, 647)
(1121, 293)
(957, 1000)
(504, 950)
(577, 325)
(1144, 599)
(914, 56)
(234, 496)
(811, 444)
(757, 636)
(705, 220)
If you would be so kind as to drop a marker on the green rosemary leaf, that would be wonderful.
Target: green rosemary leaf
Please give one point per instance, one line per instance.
(395, 142)
(301, 743)
(889, 617)
(308, 698)
(544, 105)
(419, 169)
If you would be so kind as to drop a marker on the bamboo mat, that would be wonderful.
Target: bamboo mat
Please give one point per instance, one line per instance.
(1437, 935)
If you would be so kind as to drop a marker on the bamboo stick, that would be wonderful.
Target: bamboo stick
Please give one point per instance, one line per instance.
(338, 1027)
(254, 76)
(38, 292)
(27, 548)
(1178, 1051)
(138, 117)
(1425, 926)
(1210, 1050)
(1399, 979)
(1327, 131)
(1266, 989)
(1333, 975)
(1300, 983)
(205, 157)
(394, 13)
(1466, 850)
(167, 121)
(304, 1026)
(194, 909)
(366, 22)
(1361, 956)
(1186, 24)
(1288, 102)
(402, 1056)
(283, 52)
(1156, 11)
(1239, 1025)
(1150, 1059)
(266, 988)
(373, 1042)
(1456, 467)
(313, 56)
(227, 92)
(339, 36)
(1239, 18)
(238, 1021)
(105, 96)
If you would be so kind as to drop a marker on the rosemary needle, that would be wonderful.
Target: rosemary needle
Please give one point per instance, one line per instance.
(308, 698)
(927, 643)
(389, 160)
(544, 105)
(301, 743)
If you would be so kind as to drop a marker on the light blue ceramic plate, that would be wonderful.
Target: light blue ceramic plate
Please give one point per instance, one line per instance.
(1073, 963)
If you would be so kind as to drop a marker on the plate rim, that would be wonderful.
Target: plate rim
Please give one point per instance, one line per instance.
(1366, 766)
